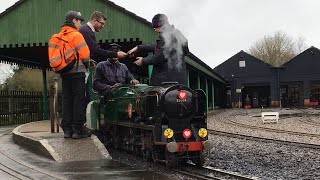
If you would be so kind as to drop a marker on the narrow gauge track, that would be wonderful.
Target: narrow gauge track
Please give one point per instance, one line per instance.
(271, 129)
(262, 139)
(310, 122)
(213, 174)
(308, 119)
(18, 174)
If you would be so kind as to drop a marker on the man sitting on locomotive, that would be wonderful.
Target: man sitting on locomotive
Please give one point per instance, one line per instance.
(112, 73)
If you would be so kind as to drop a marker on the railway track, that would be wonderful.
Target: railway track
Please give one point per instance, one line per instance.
(227, 120)
(308, 119)
(262, 139)
(271, 129)
(16, 169)
(310, 122)
(211, 173)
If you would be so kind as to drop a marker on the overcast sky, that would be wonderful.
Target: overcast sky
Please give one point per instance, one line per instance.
(218, 29)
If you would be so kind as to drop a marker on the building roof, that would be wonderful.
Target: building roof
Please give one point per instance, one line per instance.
(311, 49)
(31, 48)
(18, 3)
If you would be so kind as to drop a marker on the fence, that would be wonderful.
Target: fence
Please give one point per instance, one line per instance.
(18, 107)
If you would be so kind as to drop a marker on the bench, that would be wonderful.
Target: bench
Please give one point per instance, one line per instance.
(270, 117)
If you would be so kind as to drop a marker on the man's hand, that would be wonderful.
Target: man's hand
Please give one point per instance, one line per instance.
(134, 82)
(116, 85)
(138, 61)
(92, 63)
(121, 54)
(132, 51)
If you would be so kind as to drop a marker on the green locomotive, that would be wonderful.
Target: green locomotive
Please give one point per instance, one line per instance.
(166, 123)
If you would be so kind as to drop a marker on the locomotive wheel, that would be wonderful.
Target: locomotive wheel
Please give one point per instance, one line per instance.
(116, 142)
(154, 155)
(183, 161)
(147, 155)
(171, 160)
(200, 160)
(137, 150)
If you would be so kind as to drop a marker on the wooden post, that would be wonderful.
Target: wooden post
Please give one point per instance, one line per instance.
(51, 91)
(11, 114)
(55, 102)
(44, 93)
(54, 106)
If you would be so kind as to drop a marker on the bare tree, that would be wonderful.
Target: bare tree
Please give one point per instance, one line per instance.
(278, 48)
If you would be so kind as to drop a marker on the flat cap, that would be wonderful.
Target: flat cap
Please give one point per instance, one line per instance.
(114, 47)
(74, 15)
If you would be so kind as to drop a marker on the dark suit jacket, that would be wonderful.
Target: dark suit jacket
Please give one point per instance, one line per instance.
(168, 60)
(96, 52)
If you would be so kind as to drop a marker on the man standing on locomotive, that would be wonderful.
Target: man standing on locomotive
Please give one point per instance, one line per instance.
(169, 51)
(111, 73)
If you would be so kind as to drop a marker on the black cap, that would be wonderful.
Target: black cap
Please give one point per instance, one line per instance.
(159, 20)
(74, 15)
(114, 47)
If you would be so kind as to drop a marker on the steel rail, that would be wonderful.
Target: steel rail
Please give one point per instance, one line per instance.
(17, 174)
(272, 130)
(216, 174)
(262, 139)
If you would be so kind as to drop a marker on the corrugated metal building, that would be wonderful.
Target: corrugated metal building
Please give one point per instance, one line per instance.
(28, 24)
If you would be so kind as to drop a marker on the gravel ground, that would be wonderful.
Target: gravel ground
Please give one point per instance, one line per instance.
(264, 160)
(253, 158)
(288, 121)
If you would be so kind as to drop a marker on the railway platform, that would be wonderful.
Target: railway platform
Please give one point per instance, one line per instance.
(37, 137)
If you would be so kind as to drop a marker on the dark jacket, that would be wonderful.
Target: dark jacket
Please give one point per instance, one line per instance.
(105, 77)
(168, 60)
(96, 52)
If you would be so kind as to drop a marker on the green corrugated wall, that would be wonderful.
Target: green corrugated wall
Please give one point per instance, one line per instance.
(45, 17)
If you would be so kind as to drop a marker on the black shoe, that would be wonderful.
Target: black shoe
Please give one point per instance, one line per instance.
(68, 134)
(79, 135)
(84, 132)
(87, 130)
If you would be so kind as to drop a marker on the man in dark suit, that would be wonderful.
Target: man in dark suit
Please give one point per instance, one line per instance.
(96, 23)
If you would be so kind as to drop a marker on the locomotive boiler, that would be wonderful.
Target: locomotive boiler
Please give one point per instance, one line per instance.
(166, 123)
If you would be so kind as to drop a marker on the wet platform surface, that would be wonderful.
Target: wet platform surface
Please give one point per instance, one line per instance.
(70, 158)
(38, 167)
(37, 137)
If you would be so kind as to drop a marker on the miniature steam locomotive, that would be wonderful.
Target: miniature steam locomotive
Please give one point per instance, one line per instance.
(166, 123)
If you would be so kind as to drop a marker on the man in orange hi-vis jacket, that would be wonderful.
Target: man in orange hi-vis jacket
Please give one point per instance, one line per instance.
(73, 80)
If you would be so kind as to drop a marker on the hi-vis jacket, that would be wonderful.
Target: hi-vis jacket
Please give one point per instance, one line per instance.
(76, 48)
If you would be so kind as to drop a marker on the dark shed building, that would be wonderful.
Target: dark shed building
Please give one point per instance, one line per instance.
(300, 79)
(250, 81)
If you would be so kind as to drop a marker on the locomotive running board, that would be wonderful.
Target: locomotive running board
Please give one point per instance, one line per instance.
(131, 124)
